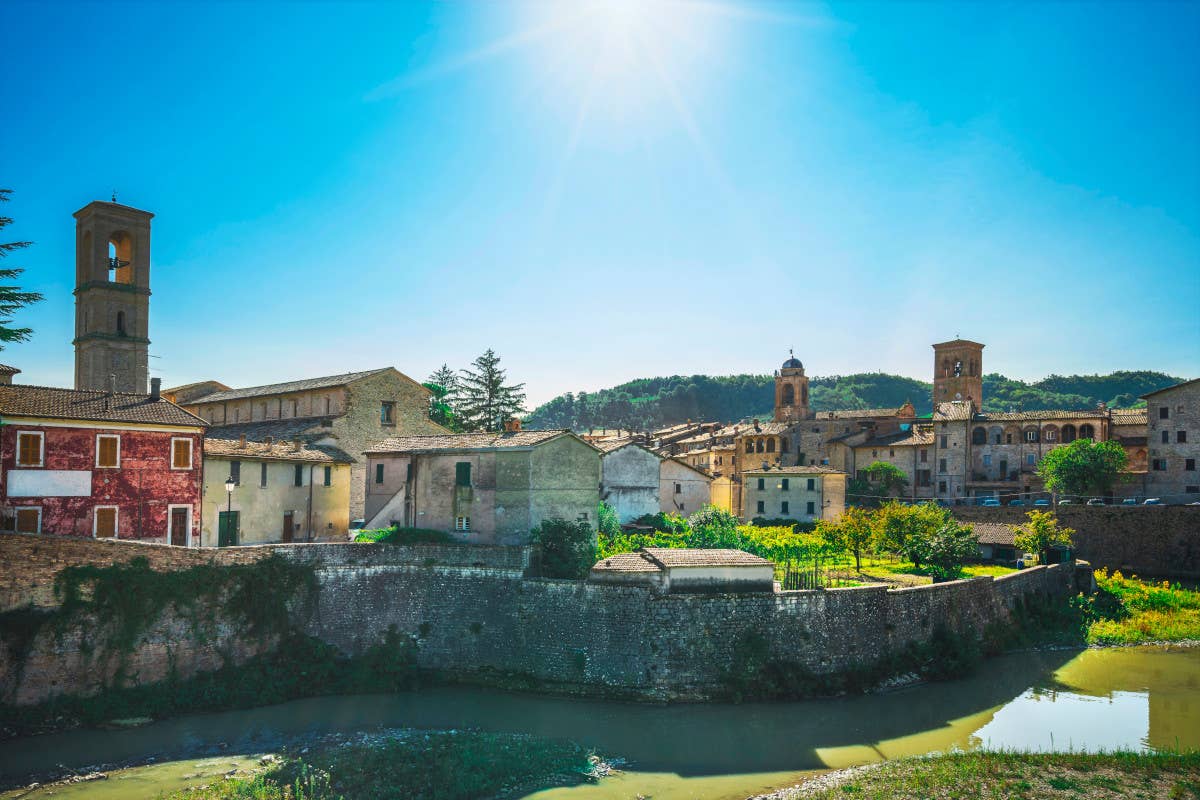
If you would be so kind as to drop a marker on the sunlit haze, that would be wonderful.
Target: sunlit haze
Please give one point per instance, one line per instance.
(602, 191)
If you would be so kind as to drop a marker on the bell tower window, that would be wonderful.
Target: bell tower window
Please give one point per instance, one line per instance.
(120, 258)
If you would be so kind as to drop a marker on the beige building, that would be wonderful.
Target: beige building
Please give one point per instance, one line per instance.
(629, 479)
(1173, 431)
(283, 491)
(683, 489)
(353, 410)
(486, 488)
(803, 494)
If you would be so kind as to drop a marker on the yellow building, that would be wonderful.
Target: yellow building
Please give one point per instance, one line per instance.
(282, 491)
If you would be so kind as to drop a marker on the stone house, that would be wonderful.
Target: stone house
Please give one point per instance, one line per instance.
(910, 451)
(803, 494)
(355, 410)
(485, 488)
(285, 490)
(630, 480)
(996, 541)
(1173, 433)
(684, 570)
(98, 463)
(683, 489)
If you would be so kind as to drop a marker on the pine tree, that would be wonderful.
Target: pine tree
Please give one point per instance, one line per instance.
(443, 383)
(481, 399)
(11, 297)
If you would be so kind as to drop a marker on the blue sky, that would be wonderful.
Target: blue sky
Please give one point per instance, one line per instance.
(607, 191)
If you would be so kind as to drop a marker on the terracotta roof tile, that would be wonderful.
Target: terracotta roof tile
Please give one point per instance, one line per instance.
(226, 441)
(45, 401)
(306, 384)
(993, 533)
(627, 562)
(811, 470)
(1037, 416)
(670, 557)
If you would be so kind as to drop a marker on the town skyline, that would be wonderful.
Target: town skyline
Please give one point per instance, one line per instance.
(427, 168)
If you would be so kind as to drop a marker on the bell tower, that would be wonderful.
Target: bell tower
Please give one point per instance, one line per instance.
(958, 372)
(791, 391)
(112, 297)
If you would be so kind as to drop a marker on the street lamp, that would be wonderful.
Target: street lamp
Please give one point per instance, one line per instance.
(230, 483)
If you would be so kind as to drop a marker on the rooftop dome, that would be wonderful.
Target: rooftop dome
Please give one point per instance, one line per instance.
(792, 362)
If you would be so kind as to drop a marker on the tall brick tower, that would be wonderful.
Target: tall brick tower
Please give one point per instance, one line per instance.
(112, 297)
(958, 372)
(791, 391)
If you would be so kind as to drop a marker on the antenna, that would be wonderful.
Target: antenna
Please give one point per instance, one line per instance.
(114, 195)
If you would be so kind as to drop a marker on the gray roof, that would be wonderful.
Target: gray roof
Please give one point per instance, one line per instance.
(274, 440)
(1171, 388)
(327, 382)
(46, 401)
(502, 440)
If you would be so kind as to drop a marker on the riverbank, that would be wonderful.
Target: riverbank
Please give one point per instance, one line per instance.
(1009, 774)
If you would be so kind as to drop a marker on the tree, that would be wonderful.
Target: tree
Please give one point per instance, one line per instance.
(442, 383)
(714, 527)
(1083, 467)
(606, 520)
(880, 480)
(948, 547)
(1040, 533)
(567, 549)
(12, 298)
(853, 531)
(482, 400)
(905, 530)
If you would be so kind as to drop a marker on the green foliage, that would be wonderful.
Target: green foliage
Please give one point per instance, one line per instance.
(853, 531)
(1125, 610)
(12, 298)
(656, 402)
(441, 765)
(482, 400)
(607, 523)
(881, 480)
(1040, 532)
(714, 527)
(1082, 467)
(396, 535)
(947, 548)
(566, 549)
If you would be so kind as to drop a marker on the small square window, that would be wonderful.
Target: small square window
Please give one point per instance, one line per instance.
(1190, 465)
(181, 454)
(679, 488)
(761, 507)
(941, 465)
(1164, 412)
(762, 484)
(462, 523)
(1180, 437)
(462, 473)
(1166, 437)
(379, 473)
(812, 484)
(811, 509)
(784, 485)
(783, 507)
(387, 412)
(108, 451)
(30, 450)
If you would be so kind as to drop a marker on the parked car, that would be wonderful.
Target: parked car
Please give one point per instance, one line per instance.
(1066, 502)
(1017, 502)
(1042, 502)
(1129, 501)
(991, 502)
(1153, 501)
(358, 524)
(1095, 501)
(1026, 560)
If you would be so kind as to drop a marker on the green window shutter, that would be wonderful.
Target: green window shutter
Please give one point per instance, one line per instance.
(328, 476)
(462, 473)
(299, 475)
(379, 473)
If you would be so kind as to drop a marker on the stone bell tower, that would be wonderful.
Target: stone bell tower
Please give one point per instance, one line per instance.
(958, 372)
(112, 297)
(791, 391)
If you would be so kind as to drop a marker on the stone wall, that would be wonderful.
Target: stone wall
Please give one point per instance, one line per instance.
(474, 618)
(1151, 541)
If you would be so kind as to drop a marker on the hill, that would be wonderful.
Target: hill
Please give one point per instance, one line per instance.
(657, 402)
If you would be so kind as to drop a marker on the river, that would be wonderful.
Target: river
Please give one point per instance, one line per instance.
(1135, 698)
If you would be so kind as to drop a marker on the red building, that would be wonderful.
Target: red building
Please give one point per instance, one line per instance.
(93, 463)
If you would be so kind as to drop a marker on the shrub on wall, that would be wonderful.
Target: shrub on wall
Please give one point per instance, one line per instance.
(404, 536)
(567, 549)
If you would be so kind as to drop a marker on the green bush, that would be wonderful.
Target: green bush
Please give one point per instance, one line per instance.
(606, 520)
(404, 536)
(567, 549)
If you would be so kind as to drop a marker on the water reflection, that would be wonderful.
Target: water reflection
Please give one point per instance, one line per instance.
(1125, 698)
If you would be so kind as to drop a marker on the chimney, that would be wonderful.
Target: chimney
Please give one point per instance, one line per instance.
(267, 441)
(6, 375)
(156, 388)
(296, 445)
(512, 425)
(242, 440)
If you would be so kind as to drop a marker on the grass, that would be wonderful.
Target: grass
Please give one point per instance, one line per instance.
(884, 568)
(442, 765)
(1022, 775)
(404, 536)
(1126, 610)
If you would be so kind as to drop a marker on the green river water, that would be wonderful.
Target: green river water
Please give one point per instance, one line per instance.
(1132, 698)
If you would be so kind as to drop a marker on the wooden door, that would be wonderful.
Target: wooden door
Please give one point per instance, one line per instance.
(179, 527)
(288, 522)
(106, 523)
(227, 527)
(29, 520)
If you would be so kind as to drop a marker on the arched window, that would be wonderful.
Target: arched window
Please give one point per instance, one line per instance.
(771, 445)
(120, 258)
(1068, 433)
(1086, 431)
(945, 368)
(803, 394)
(121, 323)
(1050, 434)
(758, 446)
(788, 395)
(979, 436)
(1031, 435)
(749, 445)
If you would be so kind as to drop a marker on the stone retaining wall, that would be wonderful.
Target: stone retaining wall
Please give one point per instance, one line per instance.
(473, 617)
